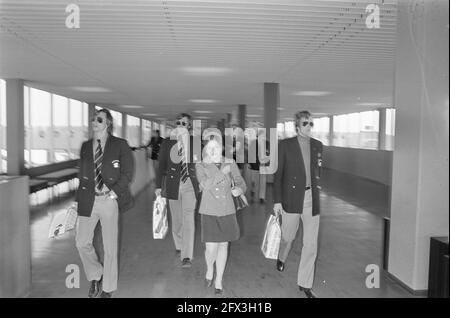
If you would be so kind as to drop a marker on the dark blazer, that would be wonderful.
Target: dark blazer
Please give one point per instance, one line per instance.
(117, 172)
(168, 175)
(155, 143)
(290, 177)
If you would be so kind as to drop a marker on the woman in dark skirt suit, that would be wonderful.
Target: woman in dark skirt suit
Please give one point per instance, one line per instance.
(218, 214)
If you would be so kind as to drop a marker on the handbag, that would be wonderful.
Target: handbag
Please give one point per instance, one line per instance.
(240, 202)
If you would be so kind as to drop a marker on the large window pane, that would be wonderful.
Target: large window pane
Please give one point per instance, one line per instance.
(289, 129)
(3, 153)
(39, 128)
(280, 130)
(156, 126)
(55, 127)
(61, 133)
(356, 130)
(133, 127)
(390, 129)
(117, 120)
(146, 131)
(321, 129)
(78, 123)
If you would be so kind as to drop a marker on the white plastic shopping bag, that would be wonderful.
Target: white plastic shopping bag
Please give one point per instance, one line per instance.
(63, 222)
(272, 238)
(160, 223)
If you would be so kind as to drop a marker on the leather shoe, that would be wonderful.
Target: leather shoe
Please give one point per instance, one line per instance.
(218, 291)
(105, 295)
(280, 265)
(186, 262)
(208, 282)
(308, 292)
(96, 288)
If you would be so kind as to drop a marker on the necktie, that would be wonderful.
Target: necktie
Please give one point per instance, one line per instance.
(184, 165)
(98, 164)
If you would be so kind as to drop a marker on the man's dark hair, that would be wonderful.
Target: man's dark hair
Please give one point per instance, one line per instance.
(109, 120)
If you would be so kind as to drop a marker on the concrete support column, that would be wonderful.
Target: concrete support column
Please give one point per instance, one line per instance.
(228, 121)
(221, 125)
(140, 132)
(15, 132)
(91, 113)
(271, 105)
(382, 129)
(420, 202)
(331, 131)
(124, 126)
(242, 114)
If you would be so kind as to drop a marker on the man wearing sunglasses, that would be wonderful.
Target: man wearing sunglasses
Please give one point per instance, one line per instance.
(296, 197)
(176, 180)
(106, 170)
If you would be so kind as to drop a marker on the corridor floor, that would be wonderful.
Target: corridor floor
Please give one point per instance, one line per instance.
(350, 239)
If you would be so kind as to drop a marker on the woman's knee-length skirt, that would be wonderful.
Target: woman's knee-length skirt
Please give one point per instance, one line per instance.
(219, 228)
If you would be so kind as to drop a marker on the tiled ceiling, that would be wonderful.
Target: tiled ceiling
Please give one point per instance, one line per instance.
(166, 55)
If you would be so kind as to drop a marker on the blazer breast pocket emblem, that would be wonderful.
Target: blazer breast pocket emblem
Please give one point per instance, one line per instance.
(116, 164)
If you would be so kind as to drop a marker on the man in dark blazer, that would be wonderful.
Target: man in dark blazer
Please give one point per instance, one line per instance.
(296, 196)
(176, 180)
(106, 170)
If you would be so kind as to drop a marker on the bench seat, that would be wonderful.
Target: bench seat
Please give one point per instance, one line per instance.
(59, 176)
(37, 185)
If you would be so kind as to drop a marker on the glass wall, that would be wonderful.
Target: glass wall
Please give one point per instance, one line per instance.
(289, 129)
(156, 127)
(117, 123)
(280, 131)
(78, 126)
(38, 118)
(356, 130)
(146, 131)
(321, 129)
(168, 130)
(55, 127)
(3, 154)
(133, 131)
(390, 128)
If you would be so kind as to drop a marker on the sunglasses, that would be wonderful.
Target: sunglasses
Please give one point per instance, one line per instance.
(181, 123)
(98, 119)
(306, 123)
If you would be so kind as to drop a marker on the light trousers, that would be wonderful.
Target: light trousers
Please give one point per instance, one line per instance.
(289, 227)
(106, 211)
(257, 183)
(183, 219)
